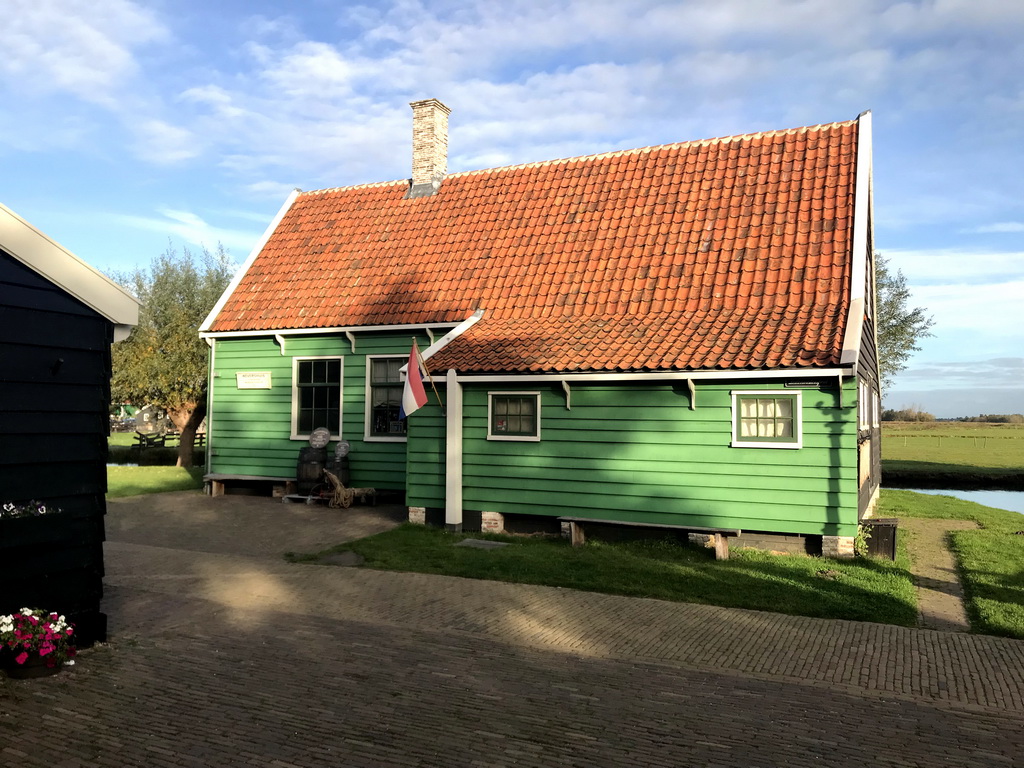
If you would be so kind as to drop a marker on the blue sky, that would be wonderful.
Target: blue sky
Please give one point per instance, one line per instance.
(126, 124)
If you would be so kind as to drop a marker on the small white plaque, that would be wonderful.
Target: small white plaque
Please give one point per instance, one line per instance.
(252, 379)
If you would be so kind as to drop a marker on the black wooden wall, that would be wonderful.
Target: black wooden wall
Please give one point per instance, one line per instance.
(868, 370)
(54, 395)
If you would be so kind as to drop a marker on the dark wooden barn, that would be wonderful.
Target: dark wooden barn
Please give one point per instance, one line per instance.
(58, 318)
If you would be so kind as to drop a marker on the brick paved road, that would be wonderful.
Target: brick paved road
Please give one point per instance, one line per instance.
(223, 655)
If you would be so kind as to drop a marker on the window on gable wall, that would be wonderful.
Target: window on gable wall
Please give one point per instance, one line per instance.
(384, 397)
(316, 395)
(864, 401)
(766, 419)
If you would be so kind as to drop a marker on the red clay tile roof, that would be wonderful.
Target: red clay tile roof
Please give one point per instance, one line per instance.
(730, 253)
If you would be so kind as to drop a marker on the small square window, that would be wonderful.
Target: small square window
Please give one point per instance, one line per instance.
(513, 416)
(766, 420)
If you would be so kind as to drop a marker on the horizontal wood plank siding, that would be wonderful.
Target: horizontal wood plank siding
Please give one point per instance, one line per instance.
(54, 399)
(250, 429)
(637, 453)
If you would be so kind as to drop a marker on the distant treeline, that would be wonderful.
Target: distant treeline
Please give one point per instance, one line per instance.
(916, 414)
(906, 414)
(997, 418)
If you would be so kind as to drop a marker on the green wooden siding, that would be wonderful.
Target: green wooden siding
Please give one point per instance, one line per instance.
(637, 453)
(249, 429)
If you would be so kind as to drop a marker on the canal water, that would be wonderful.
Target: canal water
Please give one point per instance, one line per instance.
(1011, 500)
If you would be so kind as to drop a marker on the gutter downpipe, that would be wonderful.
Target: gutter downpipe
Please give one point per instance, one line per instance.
(209, 403)
(453, 454)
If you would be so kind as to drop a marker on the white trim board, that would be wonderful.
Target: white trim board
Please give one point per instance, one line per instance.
(340, 329)
(249, 260)
(861, 245)
(61, 267)
(800, 373)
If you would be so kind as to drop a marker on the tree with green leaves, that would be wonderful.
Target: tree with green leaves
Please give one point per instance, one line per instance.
(899, 328)
(164, 362)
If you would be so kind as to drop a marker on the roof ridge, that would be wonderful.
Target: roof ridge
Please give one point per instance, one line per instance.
(656, 147)
(601, 155)
(366, 185)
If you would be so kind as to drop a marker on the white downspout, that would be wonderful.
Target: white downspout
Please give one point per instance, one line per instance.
(453, 454)
(212, 343)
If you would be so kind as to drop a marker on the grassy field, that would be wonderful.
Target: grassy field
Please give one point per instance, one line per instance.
(121, 438)
(964, 449)
(990, 560)
(862, 590)
(133, 481)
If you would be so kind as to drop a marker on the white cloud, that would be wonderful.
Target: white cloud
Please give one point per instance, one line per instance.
(192, 228)
(989, 309)
(161, 143)
(1000, 227)
(81, 47)
(994, 373)
(957, 266)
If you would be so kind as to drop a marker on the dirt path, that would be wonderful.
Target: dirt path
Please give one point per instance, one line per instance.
(940, 595)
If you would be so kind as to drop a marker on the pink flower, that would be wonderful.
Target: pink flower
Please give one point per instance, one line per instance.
(21, 658)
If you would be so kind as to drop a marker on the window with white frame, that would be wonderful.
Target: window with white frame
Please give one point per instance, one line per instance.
(316, 395)
(766, 419)
(513, 416)
(384, 385)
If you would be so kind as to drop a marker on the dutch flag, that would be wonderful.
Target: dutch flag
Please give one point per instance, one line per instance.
(414, 396)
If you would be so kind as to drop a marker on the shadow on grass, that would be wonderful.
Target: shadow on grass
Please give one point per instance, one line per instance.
(862, 590)
(135, 481)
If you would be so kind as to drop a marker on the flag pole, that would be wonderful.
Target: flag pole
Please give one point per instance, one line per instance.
(423, 364)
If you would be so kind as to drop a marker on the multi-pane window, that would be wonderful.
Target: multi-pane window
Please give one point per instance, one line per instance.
(766, 419)
(385, 395)
(317, 393)
(514, 416)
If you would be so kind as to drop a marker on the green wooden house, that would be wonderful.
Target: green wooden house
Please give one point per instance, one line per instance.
(675, 335)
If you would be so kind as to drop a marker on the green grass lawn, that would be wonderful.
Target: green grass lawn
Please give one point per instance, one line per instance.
(121, 438)
(958, 448)
(862, 590)
(132, 481)
(990, 560)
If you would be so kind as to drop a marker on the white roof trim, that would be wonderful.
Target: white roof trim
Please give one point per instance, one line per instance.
(448, 338)
(790, 373)
(322, 331)
(248, 262)
(65, 270)
(452, 335)
(862, 243)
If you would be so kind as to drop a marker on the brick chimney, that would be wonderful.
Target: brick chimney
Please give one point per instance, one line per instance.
(429, 146)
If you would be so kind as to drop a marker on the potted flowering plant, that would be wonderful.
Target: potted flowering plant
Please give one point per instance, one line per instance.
(31, 509)
(35, 642)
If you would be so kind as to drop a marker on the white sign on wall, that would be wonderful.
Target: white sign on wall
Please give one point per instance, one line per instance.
(252, 379)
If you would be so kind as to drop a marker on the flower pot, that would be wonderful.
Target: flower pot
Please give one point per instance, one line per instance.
(34, 666)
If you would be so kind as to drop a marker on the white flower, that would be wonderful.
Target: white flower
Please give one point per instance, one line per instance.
(26, 612)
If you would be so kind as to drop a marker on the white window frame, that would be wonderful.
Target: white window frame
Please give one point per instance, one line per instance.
(368, 435)
(864, 406)
(798, 418)
(295, 395)
(513, 438)
(876, 409)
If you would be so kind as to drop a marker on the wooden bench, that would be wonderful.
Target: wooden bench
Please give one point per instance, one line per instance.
(149, 441)
(166, 440)
(718, 536)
